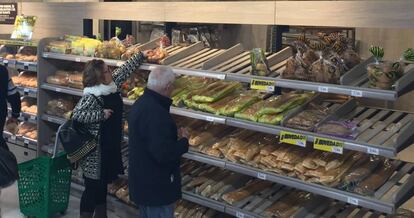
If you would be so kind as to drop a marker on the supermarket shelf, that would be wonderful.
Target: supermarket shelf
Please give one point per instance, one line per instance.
(18, 43)
(20, 140)
(353, 83)
(62, 89)
(32, 118)
(27, 91)
(356, 145)
(19, 65)
(203, 201)
(116, 204)
(53, 119)
(378, 203)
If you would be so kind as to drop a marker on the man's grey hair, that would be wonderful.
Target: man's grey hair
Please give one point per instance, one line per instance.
(160, 77)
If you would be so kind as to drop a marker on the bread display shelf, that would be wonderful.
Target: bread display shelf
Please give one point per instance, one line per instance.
(18, 43)
(32, 118)
(387, 198)
(233, 64)
(20, 140)
(396, 130)
(53, 119)
(19, 65)
(27, 91)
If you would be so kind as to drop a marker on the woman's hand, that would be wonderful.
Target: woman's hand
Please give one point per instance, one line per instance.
(108, 113)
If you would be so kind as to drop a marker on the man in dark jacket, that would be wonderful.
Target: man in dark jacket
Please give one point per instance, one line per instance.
(154, 148)
(8, 93)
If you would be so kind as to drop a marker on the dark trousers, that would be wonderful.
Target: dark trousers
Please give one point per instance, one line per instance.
(166, 211)
(94, 194)
(3, 143)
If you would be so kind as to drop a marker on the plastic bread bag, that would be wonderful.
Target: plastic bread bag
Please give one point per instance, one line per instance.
(250, 113)
(374, 181)
(350, 58)
(218, 90)
(246, 191)
(258, 61)
(341, 129)
(243, 100)
(325, 71)
(361, 171)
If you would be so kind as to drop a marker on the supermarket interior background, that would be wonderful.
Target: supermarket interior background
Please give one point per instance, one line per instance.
(295, 108)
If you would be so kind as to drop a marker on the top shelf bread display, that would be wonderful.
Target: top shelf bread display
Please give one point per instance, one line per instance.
(327, 65)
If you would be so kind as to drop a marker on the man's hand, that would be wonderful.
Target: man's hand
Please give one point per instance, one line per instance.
(108, 113)
(183, 133)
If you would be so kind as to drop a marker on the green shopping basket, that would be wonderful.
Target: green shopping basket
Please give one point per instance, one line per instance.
(44, 185)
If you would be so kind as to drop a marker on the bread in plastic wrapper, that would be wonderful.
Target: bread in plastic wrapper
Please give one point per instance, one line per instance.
(245, 99)
(246, 191)
(369, 185)
(361, 171)
(250, 113)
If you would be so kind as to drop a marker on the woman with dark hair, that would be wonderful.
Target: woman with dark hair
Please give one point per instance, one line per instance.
(100, 110)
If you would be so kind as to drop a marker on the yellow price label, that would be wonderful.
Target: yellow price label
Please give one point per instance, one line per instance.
(263, 85)
(292, 138)
(328, 145)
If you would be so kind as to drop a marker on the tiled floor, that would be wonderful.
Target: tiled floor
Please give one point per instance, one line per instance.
(9, 205)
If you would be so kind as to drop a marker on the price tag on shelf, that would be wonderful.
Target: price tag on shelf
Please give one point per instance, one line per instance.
(5, 62)
(323, 89)
(45, 55)
(356, 93)
(26, 90)
(13, 138)
(210, 119)
(239, 214)
(292, 138)
(119, 63)
(263, 85)
(77, 59)
(261, 176)
(328, 145)
(374, 151)
(32, 117)
(58, 89)
(26, 141)
(26, 64)
(353, 201)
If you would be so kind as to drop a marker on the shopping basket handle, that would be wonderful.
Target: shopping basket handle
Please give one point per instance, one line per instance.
(56, 141)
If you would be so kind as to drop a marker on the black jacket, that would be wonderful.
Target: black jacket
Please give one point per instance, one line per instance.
(154, 152)
(8, 93)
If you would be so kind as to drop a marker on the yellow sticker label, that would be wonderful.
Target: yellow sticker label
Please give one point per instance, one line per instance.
(328, 145)
(293, 138)
(263, 85)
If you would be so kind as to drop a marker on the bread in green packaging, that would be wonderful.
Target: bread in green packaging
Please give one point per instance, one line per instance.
(239, 103)
(250, 113)
(216, 91)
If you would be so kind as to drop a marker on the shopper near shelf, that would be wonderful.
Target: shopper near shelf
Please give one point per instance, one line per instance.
(100, 109)
(8, 93)
(154, 148)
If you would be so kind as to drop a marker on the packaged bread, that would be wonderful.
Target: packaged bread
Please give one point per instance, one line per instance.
(60, 106)
(250, 113)
(369, 185)
(246, 191)
(288, 205)
(361, 171)
(58, 79)
(75, 80)
(245, 99)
